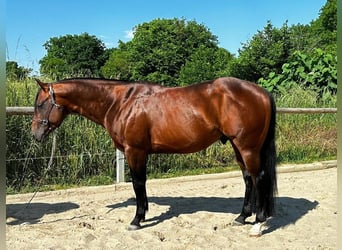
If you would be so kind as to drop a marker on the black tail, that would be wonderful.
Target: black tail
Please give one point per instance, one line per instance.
(268, 161)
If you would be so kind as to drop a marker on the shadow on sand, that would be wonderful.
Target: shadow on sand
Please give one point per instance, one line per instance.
(32, 213)
(288, 210)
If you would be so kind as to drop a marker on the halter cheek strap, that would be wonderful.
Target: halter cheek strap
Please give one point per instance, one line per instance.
(52, 95)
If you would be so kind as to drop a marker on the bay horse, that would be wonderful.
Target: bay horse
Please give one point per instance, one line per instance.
(144, 118)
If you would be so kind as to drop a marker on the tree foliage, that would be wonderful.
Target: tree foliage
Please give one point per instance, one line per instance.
(204, 64)
(161, 47)
(266, 52)
(316, 72)
(271, 47)
(73, 55)
(159, 50)
(117, 66)
(16, 72)
(324, 28)
(312, 61)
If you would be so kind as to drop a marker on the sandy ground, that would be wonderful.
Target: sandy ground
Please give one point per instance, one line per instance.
(185, 213)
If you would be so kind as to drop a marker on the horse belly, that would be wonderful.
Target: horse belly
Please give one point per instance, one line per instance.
(182, 121)
(183, 140)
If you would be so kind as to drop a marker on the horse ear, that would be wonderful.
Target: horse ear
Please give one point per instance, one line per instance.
(41, 84)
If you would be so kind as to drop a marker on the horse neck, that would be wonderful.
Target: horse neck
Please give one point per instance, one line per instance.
(89, 100)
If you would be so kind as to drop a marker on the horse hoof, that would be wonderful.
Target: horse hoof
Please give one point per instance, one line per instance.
(237, 223)
(256, 230)
(132, 227)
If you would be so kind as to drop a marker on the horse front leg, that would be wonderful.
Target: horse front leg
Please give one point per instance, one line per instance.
(137, 162)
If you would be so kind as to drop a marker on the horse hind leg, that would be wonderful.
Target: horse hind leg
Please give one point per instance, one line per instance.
(261, 207)
(249, 200)
(259, 191)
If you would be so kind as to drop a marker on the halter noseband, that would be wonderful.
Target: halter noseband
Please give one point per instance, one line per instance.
(46, 122)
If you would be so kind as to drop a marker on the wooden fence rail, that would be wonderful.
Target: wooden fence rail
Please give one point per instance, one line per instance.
(120, 157)
(306, 110)
(29, 110)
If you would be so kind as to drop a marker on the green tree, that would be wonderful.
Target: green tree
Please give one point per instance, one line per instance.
(73, 55)
(328, 16)
(270, 48)
(118, 66)
(16, 72)
(319, 34)
(204, 64)
(324, 28)
(160, 48)
(266, 52)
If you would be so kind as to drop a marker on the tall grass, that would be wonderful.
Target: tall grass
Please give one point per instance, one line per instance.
(85, 153)
(306, 137)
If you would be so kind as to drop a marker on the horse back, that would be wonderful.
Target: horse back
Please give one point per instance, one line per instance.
(188, 119)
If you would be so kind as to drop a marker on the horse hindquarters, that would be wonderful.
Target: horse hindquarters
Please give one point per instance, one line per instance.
(258, 167)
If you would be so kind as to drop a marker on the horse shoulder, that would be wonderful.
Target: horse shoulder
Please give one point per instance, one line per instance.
(134, 116)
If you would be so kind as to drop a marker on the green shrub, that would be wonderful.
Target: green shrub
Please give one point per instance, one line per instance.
(315, 72)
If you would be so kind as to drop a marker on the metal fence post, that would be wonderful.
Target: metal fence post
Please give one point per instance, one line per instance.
(120, 166)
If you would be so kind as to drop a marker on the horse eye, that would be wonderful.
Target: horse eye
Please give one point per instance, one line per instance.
(40, 105)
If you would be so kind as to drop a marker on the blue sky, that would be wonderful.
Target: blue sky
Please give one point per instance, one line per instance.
(29, 24)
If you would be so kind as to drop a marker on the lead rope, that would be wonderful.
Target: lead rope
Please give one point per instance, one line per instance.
(53, 148)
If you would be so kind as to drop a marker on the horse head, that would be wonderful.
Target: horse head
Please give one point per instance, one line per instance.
(48, 114)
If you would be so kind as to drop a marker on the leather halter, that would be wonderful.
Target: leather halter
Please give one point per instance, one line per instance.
(46, 122)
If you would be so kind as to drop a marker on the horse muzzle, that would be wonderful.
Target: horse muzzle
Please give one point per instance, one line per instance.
(40, 132)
